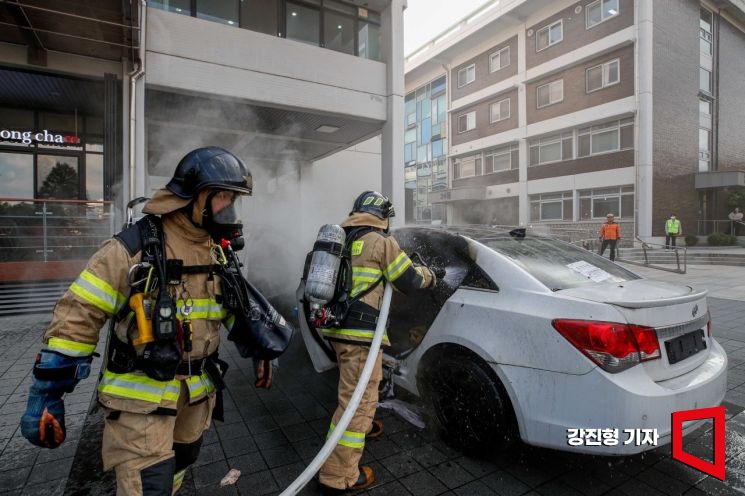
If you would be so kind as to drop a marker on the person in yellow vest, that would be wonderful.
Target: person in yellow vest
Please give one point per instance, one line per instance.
(159, 395)
(673, 229)
(610, 233)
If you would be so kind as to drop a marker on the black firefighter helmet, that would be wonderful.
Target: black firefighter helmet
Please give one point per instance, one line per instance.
(372, 202)
(210, 167)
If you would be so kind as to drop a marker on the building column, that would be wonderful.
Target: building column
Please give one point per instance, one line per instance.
(141, 168)
(644, 49)
(522, 122)
(392, 171)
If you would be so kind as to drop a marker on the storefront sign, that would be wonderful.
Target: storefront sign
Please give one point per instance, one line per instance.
(28, 137)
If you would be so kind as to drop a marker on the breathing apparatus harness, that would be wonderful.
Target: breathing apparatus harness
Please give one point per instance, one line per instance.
(165, 336)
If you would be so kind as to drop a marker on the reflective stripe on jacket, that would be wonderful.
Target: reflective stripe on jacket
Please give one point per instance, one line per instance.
(376, 257)
(102, 290)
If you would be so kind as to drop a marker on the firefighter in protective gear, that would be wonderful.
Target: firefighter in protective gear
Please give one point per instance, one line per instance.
(376, 260)
(153, 428)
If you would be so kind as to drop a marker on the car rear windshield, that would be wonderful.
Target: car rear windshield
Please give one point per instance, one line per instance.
(557, 264)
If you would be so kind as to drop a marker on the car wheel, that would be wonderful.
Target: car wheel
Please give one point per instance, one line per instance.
(468, 403)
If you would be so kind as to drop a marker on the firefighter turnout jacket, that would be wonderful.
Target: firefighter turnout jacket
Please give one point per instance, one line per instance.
(101, 292)
(376, 257)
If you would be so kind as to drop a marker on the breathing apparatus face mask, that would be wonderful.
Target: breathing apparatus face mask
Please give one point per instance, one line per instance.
(221, 218)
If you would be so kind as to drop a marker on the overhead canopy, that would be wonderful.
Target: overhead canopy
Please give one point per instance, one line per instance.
(104, 29)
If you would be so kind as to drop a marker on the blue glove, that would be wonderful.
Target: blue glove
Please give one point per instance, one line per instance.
(265, 371)
(43, 422)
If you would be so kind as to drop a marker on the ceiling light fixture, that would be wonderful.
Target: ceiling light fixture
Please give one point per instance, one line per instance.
(294, 14)
(327, 129)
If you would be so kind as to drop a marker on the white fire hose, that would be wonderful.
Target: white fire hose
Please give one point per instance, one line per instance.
(330, 444)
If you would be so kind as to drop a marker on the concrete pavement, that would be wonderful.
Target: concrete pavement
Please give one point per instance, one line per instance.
(272, 435)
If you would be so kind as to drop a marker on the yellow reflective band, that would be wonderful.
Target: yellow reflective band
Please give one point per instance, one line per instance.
(229, 322)
(357, 247)
(366, 274)
(199, 385)
(70, 348)
(353, 333)
(138, 387)
(397, 267)
(203, 308)
(178, 478)
(97, 292)
(350, 439)
(358, 288)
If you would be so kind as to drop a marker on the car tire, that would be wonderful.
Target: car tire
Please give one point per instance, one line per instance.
(468, 403)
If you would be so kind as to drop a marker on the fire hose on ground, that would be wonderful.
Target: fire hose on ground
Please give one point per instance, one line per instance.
(341, 426)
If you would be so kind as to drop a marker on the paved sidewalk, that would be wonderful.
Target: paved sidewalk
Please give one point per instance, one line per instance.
(272, 435)
(722, 281)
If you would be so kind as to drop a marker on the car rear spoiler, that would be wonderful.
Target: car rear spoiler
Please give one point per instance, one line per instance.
(676, 300)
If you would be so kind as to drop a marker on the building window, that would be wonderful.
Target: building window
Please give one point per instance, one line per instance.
(554, 148)
(438, 86)
(605, 138)
(597, 203)
(467, 166)
(704, 80)
(222, 11)
(550, 93)
(551, 206)
(501, 159)
(603, 75)
(178, 6)
(338, 27)
(466, 122)
(704, 32)
(704, 150)
(600, 11)
(499, 110)
(303, 24)
(499, 60)
(18, 175)
(549, 35)
(466, 75)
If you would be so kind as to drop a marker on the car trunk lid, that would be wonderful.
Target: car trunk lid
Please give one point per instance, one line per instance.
(679, 315)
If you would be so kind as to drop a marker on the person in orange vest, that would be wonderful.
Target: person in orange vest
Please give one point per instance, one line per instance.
(610, 233)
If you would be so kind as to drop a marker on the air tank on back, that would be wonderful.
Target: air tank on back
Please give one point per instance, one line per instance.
(324, 266)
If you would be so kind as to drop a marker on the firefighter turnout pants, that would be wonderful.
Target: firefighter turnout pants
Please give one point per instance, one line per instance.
(341, 470)
(150, 452)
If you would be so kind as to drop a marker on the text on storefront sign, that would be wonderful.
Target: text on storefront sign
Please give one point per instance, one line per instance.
(28, 137)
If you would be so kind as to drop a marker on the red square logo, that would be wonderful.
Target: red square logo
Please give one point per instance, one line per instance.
(715, 469)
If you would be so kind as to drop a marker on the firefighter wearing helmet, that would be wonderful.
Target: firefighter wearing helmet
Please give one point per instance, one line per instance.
(376, 260)
(161, 383)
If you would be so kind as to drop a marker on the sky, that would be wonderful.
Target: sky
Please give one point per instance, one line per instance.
(425, 19)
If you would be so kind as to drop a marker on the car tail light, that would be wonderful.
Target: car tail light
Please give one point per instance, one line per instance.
(613, 346)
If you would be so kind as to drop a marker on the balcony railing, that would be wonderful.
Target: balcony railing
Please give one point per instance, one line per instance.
(34, 230)
(726, 226)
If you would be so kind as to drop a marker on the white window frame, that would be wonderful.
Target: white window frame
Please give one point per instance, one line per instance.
(469, 158)
(609, 126)
(498, 105)
(551, 140)
(498, 152)
(591, 195)
(466, 114)
(537, 99)
(499, 53)
(537, 199)
(548, 28)
(602, 20)
(466, 69)
(605, 71)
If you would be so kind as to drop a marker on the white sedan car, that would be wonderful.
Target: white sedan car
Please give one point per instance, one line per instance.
(535, 338)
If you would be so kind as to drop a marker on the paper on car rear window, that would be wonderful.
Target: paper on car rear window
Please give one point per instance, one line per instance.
(592, 272)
